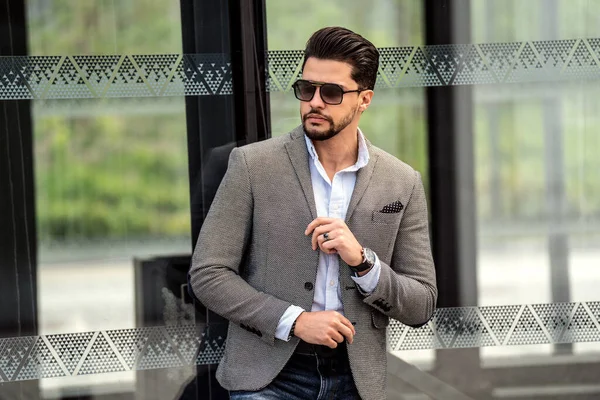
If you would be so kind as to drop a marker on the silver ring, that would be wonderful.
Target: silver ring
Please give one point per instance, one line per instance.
(326, 236)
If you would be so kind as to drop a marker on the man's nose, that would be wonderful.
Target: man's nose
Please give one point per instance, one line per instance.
(316, 101)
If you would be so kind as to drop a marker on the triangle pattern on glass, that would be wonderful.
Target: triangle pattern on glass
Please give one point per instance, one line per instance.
(473, 69)
(12, 354)
(282, 67)
(70, 347)
(500, 319)
(39, 71)
(129, 343)
(158, 352)
(420, 338)
(581, 327)
(98, 70)
(101, 358)
(157, 68)
(420, 72)
(211, 350)
(176, 84)
(447, 322)
(446, 59)
(501, 57)
(528, 67)
(473, 332)
(395, 332)
(186, 340)
(13, 85)
(68, 83)
(555, 317)
(392, 61)
(527, 330)
(40, 363)
(128, 82)
(582, 64)
(554, 53)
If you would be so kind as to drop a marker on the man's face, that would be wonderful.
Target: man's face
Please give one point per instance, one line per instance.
(323, 121)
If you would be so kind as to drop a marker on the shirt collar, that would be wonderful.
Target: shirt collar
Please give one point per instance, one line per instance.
(363, 151)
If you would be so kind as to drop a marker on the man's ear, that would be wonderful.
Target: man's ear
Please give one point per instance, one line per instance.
(365, 102)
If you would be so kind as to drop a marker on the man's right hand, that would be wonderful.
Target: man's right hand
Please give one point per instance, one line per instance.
(324, 327)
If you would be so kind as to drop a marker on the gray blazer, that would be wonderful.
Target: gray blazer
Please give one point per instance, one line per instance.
(252, 259)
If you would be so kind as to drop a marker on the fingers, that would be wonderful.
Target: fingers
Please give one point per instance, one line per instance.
(336, 335)
(348, 324)
(347, 332)
(320, 226)
(317, 236)
(328, 244)
(344, 327)
(334, 239)
(329, 328)
(316, 223)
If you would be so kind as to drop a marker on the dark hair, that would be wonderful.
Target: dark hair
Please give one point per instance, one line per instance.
(341, 44)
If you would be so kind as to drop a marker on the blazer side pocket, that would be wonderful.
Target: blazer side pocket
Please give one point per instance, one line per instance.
(380, 320)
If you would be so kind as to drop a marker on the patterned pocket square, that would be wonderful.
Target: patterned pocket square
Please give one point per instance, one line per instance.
(392, 208)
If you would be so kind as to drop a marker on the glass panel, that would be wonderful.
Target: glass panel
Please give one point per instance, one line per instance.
(107, 81)
(530, 72)
(112, 200)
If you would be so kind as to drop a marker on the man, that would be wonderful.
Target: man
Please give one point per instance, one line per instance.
(314, 240)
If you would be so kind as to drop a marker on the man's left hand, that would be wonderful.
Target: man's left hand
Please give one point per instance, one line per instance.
(339, 239)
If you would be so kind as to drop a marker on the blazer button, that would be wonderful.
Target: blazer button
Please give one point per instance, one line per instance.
(308, 286)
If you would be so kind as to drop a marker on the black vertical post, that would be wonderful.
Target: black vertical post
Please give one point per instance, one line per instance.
(450, 134)
(210, 124)
(248, 31)
(235, 30)
(451, 168)
(216, 123)
(18, 246)
(210, 119)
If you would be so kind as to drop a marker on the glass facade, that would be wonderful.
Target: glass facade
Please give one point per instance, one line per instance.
(116, 122)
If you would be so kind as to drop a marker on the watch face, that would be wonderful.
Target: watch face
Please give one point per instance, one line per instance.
(369, 256)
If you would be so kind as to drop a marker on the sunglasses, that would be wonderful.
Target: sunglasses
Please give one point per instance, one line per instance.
(331, 93)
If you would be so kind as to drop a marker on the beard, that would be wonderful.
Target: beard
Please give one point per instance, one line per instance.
(334, 128)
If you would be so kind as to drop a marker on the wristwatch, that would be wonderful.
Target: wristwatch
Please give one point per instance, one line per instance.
(368, 261)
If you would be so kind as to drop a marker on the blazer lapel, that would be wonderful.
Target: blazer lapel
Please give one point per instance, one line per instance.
(363, 177)
(296, 149)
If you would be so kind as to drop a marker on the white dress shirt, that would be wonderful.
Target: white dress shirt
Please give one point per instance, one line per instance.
(331, 199)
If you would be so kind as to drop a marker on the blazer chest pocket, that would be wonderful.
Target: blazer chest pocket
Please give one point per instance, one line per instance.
(380, 320)
(386, 218)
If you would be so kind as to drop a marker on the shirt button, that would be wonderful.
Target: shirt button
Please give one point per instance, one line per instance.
(332, 283)
(336, 207)
(308, 286)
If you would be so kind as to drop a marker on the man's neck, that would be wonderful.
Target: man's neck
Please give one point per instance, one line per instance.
(339, 152)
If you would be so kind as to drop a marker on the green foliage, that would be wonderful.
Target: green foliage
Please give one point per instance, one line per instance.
(112, 176)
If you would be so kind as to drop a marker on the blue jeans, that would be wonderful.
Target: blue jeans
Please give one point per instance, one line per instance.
(308, 377)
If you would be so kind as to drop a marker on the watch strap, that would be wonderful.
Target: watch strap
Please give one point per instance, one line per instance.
(291, 335)
(364, 265)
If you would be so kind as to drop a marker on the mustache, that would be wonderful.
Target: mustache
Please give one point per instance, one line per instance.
(313, 113)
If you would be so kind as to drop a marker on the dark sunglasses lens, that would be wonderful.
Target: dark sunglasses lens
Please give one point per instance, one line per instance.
(304, 90)
(331, 94)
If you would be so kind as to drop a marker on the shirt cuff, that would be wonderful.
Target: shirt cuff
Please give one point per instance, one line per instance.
(286, 321)
(368, 282)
